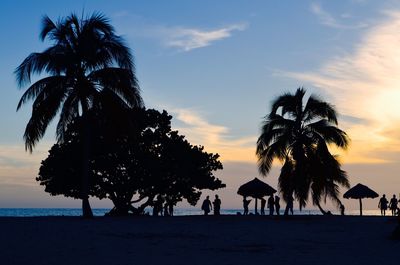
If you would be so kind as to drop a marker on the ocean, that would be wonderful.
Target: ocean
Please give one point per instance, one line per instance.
(32, 212)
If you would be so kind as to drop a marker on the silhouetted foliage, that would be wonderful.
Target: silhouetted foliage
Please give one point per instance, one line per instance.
(85, 58)
(299, 135)
(134, 165)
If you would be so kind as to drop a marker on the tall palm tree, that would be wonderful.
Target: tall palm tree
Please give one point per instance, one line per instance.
(298, 132)
(85, 58)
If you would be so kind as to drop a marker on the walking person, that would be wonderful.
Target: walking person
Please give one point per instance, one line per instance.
(393, 205)
(217, 205)
(271, 204)
(206, 206)
(277, 205)
(263, 202)
(383, 205)
(246, 205)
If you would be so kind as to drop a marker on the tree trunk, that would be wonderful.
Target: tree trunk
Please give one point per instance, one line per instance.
(360, 207)
(255, 207)
(86, 209)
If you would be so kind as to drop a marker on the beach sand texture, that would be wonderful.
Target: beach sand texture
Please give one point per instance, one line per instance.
(198, 240)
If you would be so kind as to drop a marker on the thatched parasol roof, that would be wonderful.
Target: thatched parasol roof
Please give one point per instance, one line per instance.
(256, 189)
(360, 191)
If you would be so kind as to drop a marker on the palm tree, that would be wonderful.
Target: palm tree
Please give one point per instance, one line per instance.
(298, 132)
(85, 58)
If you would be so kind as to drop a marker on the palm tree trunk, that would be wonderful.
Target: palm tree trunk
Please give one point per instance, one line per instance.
(86, 209)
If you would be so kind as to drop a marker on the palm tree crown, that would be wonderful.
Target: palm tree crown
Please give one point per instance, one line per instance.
(85, 58)
(299, 134)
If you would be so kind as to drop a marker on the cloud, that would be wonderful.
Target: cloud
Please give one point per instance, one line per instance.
(365, 85)
(328, 20)
(215, 138)
(187, 39)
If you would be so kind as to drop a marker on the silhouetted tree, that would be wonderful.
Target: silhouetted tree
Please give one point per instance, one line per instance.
(299, 135)
(132, 166)
(85, 57)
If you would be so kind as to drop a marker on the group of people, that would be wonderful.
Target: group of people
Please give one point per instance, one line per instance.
(162, 207)
(384, 204)
(273, 205)
(216, 205)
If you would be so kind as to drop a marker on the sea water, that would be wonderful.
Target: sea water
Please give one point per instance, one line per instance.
(32, 212)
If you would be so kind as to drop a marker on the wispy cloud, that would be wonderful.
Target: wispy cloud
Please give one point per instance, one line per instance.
(178, 37)
(365, 85)
(215, 138)
(329, 20)
(187, 39)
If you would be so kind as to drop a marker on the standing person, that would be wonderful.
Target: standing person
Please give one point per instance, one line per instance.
(277, 205)
(171, 208)
(393, 205)
(271, 204)
(166, 212)
(383, 204)
(263, 201)
(217, 205)
(158, 206)
(289, 205)
(246, 205)
(206, 206)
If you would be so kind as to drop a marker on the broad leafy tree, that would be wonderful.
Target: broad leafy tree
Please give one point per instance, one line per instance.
(298, 132)
(85, 57)
(133, 168)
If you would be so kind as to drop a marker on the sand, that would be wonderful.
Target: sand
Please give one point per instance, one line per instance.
(198, 240)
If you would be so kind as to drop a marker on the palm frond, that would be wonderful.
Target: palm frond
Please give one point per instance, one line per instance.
(69, 111)
(35, 89)
(330, 134)
(121, 81)
(47, 26)
(44, 109)
(316, 108)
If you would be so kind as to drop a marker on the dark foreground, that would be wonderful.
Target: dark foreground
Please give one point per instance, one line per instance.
(198, 240)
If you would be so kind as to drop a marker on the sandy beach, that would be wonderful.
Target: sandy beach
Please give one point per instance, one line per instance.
(198, 240)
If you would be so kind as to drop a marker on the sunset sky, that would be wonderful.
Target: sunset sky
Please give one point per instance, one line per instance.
(216, 66)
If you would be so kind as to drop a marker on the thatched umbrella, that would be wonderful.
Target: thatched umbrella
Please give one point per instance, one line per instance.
(360, 191)
(256, 189)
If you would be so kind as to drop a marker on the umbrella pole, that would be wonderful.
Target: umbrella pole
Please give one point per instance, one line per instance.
(255, 209)
(360, 207)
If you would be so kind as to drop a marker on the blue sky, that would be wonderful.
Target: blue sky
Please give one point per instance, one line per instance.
(216, 66)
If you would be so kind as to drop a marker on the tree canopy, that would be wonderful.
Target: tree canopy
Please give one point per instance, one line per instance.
(131, 165)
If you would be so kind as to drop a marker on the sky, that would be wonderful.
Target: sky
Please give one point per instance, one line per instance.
(216, 66)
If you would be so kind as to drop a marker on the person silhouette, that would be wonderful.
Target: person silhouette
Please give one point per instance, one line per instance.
(206, 206)
(383, 203)
(393, 205)
(246, 205)
(271, 204)
(217, 205)
(277, 205)
(166, 212)
(158, 206)
(263, 202)
(171, 208)
(289, 205)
